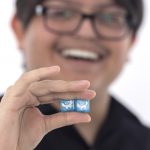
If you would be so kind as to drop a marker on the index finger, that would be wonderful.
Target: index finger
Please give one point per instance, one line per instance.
(35, 75)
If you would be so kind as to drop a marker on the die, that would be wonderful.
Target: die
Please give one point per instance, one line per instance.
(67, 105)
(76, 105)
(82, 105)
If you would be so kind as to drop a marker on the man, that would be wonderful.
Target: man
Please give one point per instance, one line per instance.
(72, 49)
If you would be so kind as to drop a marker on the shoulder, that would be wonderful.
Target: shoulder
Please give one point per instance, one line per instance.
(0, 97)
(130, 127)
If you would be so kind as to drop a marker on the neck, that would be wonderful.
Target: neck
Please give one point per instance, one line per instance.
(99, 106)
(99, 110)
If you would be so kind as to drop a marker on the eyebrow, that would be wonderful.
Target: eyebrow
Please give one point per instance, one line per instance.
(80, 5)
(63, 1)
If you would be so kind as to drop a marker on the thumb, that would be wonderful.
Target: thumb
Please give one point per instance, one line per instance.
(64, 119)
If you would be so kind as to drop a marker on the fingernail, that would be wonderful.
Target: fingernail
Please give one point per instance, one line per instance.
(56, 68)
(83, 82)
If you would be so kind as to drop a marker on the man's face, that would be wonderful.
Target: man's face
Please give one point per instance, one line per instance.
(81, 55)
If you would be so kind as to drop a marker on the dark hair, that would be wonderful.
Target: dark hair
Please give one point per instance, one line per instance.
(25, 11)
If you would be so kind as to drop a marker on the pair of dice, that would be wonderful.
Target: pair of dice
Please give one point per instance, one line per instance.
(75, 105)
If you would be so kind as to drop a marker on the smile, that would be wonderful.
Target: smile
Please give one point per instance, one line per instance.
(80, 54)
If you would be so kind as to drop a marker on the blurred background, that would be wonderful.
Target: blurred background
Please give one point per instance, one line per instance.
(132, 87)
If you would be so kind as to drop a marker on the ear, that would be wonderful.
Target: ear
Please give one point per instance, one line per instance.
(132, 42)
(18, 30)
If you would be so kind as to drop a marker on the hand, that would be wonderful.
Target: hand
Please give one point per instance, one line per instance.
(22, 126)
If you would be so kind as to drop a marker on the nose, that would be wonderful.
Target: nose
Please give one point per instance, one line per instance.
(86, 29)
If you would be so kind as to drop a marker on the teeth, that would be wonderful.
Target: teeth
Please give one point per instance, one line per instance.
(80, 54)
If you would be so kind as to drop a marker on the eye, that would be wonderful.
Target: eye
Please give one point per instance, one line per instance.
(60, 13)
(111, 19)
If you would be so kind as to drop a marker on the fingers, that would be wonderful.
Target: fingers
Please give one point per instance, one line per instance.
(64, 119)
(49, 90)
(35, 87)
(33, 76)
(39, 74)
(18, 96)
(48, 86)
(87, 94)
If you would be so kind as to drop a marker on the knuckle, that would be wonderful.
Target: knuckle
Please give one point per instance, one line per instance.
(9, 88)
(25, 77)
(33, 86)
(54, 96)
(11, 91)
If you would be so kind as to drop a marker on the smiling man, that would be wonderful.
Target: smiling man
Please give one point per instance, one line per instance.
(72, 49)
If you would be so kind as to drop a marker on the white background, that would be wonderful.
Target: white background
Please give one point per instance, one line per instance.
(132, 87)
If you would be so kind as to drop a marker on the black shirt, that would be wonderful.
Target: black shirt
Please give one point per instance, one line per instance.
(120, 131)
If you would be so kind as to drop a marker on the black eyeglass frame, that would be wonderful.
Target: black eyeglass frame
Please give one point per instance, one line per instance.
(42, 10)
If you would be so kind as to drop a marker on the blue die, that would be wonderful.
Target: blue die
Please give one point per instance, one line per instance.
(82, 105)
(67, 105)
(77, 105)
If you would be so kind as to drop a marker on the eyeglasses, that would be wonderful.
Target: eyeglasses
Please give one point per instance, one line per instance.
(107, 23)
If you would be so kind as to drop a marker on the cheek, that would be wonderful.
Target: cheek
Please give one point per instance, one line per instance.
(117, 60)
(123, 53)
(120, 52)
(37, 47)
